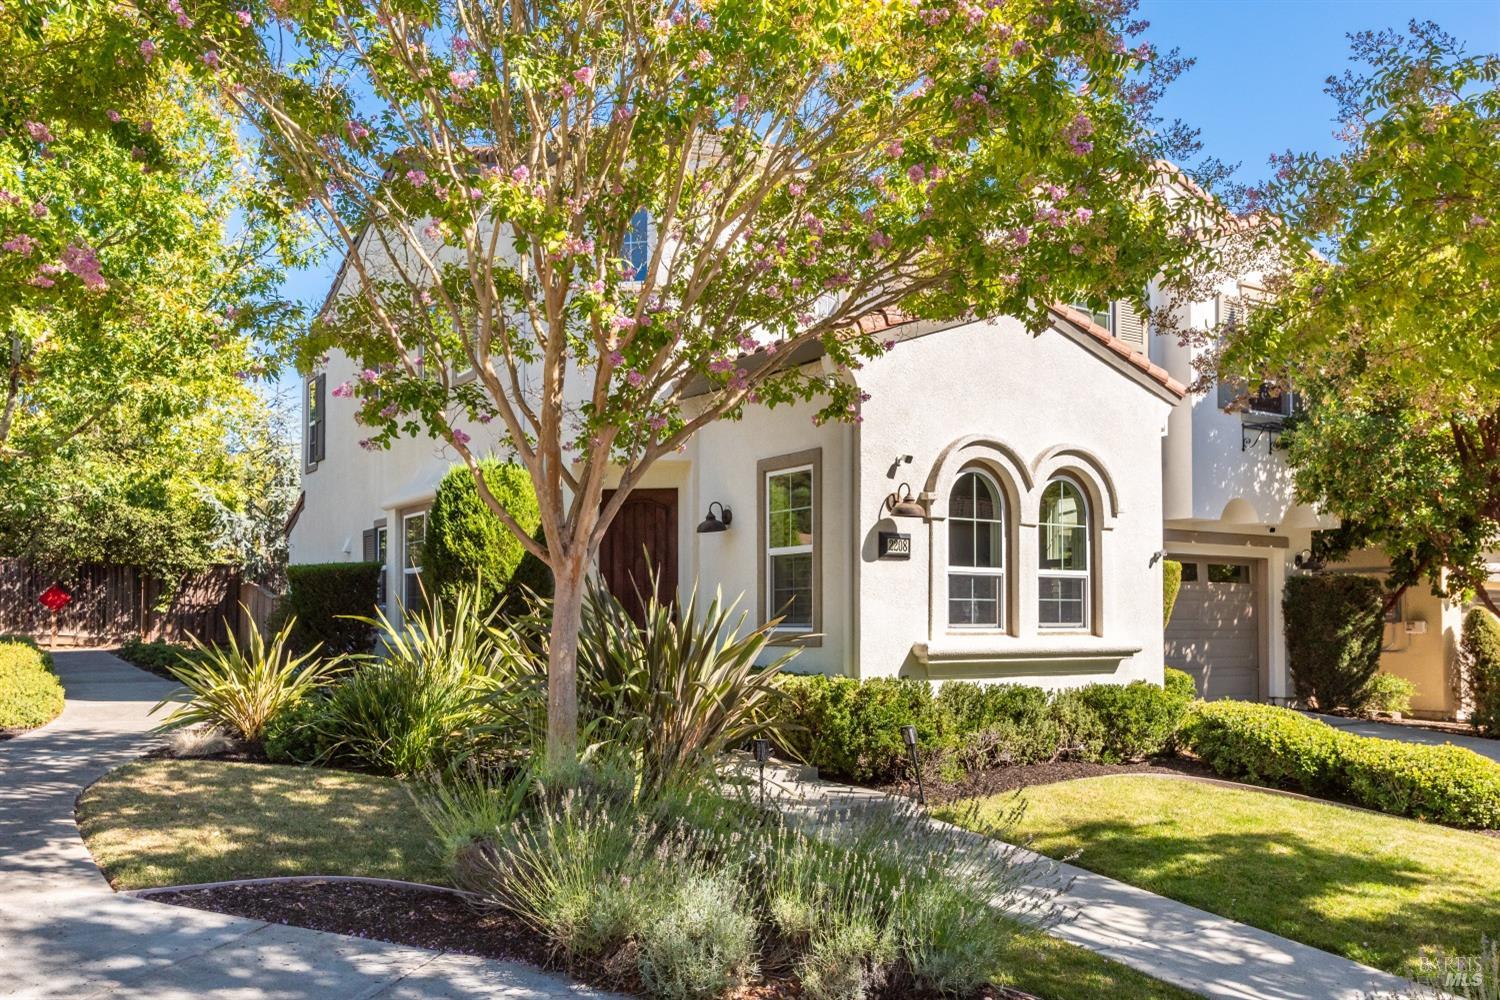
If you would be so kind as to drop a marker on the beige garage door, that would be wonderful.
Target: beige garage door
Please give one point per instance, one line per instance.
(1214, 631)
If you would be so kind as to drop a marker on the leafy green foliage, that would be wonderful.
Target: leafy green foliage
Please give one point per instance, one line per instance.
(30, 693)
(852, 729)
(682, 687)
(1116, 723)
(1479, 664)
(1180, 683)
(158, 657)
(1264, 744)
(1282, 748)
(328, 606)
(1171, 583)
(1387, 693)
(1380, 307)
(447, 686)
(242, 690)
(139, 290)
(1334, 630)
(467, 545)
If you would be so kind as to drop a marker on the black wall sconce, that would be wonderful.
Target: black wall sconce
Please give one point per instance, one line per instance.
(902, 504)
(712, 524)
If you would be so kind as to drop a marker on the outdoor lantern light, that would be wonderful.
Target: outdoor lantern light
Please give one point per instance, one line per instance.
(909, 737)
(902, 504)
(712, 524)
(761, 749)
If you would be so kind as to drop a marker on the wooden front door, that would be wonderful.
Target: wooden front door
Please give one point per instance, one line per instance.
(641, 540)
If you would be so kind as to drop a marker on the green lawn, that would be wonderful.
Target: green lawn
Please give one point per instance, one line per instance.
(173, 822)
(1375, 888)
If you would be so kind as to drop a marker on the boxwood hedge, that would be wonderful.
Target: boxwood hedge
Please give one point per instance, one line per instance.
(1277, 746)
(30, 693)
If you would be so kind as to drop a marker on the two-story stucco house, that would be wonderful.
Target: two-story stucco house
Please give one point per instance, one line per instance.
(998, 511)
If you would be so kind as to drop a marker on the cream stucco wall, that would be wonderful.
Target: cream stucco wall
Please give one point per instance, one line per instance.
(1024, 407)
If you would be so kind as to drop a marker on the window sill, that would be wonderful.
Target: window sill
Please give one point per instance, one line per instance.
(986, 655)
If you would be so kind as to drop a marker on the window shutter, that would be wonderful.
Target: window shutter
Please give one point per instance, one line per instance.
(369, 544)
(1130, 326)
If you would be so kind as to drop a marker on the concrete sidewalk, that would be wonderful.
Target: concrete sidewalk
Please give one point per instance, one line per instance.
(65, 934)
(1411, 734)
(1171, 941)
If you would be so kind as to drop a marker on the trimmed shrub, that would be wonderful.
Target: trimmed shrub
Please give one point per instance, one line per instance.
(1264, 744)
(467, 545)
(1280, 747)
(852, 730)
(1171, 583)
(1334, 631)
(1387, 693)
(1180, 683)
(319, 600)
(1129, 721)
(985, 725)
(1445, 784)
(295, 734)
(30, 693)
(1479, 662)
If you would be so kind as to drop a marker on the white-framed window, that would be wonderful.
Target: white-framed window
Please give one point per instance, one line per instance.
(976, 552)
(1101, 317)
(637, 246)
(790, 547)
(413, 539)
(1065, 562)
(381, 556)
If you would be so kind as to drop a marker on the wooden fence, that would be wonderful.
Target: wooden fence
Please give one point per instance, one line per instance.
(114, 603)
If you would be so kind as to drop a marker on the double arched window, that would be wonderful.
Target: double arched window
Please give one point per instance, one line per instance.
(976, 552)
(1064, 560)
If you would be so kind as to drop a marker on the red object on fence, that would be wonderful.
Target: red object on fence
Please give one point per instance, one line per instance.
(55, 598)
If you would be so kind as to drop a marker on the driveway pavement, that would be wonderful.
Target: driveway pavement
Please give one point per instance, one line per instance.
(65, 934)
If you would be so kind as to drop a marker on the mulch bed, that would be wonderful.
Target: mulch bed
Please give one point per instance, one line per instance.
(996, 780)
(437, 920)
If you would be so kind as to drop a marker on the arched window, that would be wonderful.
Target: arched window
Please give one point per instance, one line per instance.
(976, 552)
(1065, 560)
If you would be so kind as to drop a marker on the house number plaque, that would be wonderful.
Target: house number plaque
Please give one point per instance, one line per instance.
(895, 545)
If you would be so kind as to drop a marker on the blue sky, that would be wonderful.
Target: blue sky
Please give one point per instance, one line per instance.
(1257, 85)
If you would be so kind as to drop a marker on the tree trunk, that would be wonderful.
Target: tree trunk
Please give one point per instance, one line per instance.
(570, 579)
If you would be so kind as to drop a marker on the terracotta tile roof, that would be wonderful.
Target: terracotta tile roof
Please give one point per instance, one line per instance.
(1136, 359)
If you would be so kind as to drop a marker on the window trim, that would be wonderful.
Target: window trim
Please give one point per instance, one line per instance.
(811, 459)
(1001, 572)
(1108, 312)
(407, 515)
(1086, 574)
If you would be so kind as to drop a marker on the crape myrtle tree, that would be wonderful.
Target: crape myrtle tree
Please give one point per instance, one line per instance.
(802, 164)
(1384, 311)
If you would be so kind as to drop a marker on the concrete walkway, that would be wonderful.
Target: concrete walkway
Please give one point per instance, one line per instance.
(1412, 734)
(65, 934)
(1171, 941)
